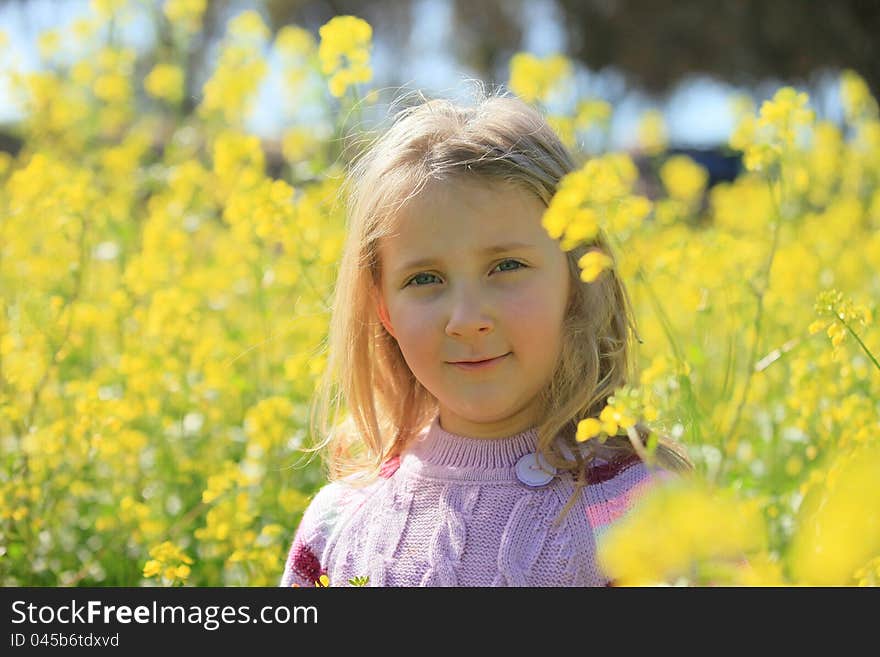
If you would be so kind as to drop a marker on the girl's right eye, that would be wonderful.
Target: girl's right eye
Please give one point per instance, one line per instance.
(410, 281)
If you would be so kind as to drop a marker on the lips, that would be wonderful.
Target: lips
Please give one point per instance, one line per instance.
(489, 365)
(478, 360)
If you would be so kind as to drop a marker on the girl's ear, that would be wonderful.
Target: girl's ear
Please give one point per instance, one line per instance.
(382, 311)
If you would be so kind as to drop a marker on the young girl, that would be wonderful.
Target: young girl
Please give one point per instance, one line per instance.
(467, 349)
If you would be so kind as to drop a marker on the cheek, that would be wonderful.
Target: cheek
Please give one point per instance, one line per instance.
(415, 328)
(536, 316)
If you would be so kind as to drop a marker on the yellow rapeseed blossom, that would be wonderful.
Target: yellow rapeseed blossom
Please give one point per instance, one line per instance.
(185, 14)
(855, 96)
(601, 188)
(869, 574)
(684, 529)
(652, 136)
(564, 127)
(684, 179)
(299, 144)
(592, 113)
(248, 25)
(534, 79)
(767, 139)
(588, 428)
(267, 422)
(107, 8)
(619, 413)
(592, 264)
(293, 40)
(165, 82)
(238, 160)
(614, 418)
(152, 568)
(838, 527)
(48, 43)
(169, 560)
(344, 52)
(840, 316)
(241, 67)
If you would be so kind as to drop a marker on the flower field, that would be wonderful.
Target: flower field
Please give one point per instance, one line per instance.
(166, 283)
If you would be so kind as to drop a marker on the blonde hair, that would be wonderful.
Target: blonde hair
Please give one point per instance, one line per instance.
(500, 139)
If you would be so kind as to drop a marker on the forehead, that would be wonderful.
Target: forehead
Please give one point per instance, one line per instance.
(467, 215)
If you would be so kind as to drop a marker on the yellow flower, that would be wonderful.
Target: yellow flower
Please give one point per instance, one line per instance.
(293, 40)
(817, 326)
(48, 43)
(344, 52)
(607, 420)
(592, 264)
(682, 528)
(838, 527)
(152, 567)
(165, 81)
(186, 14)
(856, 98)
(299, 144)
(652, 132)
(106, 8)
(767, 139)
(588, 428)
(837, 333)
(248, 25)
(613, 417)
(683, 178)
(241, 67)
(564, 128)
(788, 109)
(592, 113)
(112, 87)
(627, 215)
(582, 227)
(535, 79)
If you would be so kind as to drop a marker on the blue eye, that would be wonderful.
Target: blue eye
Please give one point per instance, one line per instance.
(416, 276)
(516, 262)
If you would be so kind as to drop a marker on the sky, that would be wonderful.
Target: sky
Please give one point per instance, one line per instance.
(697, 112)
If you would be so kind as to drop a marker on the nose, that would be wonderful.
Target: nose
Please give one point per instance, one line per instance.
(470, 314)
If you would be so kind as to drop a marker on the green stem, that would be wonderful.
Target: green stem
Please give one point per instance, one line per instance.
(861, 344)
(759, 314)
(655, 301)
(661, 314)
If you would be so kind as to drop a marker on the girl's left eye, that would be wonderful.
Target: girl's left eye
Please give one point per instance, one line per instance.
(516, 262)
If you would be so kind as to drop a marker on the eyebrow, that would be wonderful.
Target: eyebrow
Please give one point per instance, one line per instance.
(489, 250)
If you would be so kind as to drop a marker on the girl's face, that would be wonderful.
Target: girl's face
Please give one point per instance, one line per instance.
(470, 274)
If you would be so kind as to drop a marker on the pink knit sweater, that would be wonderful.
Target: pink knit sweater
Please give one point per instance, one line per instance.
(455, 511)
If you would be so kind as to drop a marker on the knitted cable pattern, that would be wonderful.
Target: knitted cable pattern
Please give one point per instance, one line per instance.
(448, 541)
(393, 517)
(523, 538)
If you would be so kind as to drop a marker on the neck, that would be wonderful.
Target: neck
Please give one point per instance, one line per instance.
(443, 448)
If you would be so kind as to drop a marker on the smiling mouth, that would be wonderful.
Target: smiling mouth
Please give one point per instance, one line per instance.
(480, 363)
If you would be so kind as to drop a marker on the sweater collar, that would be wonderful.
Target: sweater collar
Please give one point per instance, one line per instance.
(435, 446)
